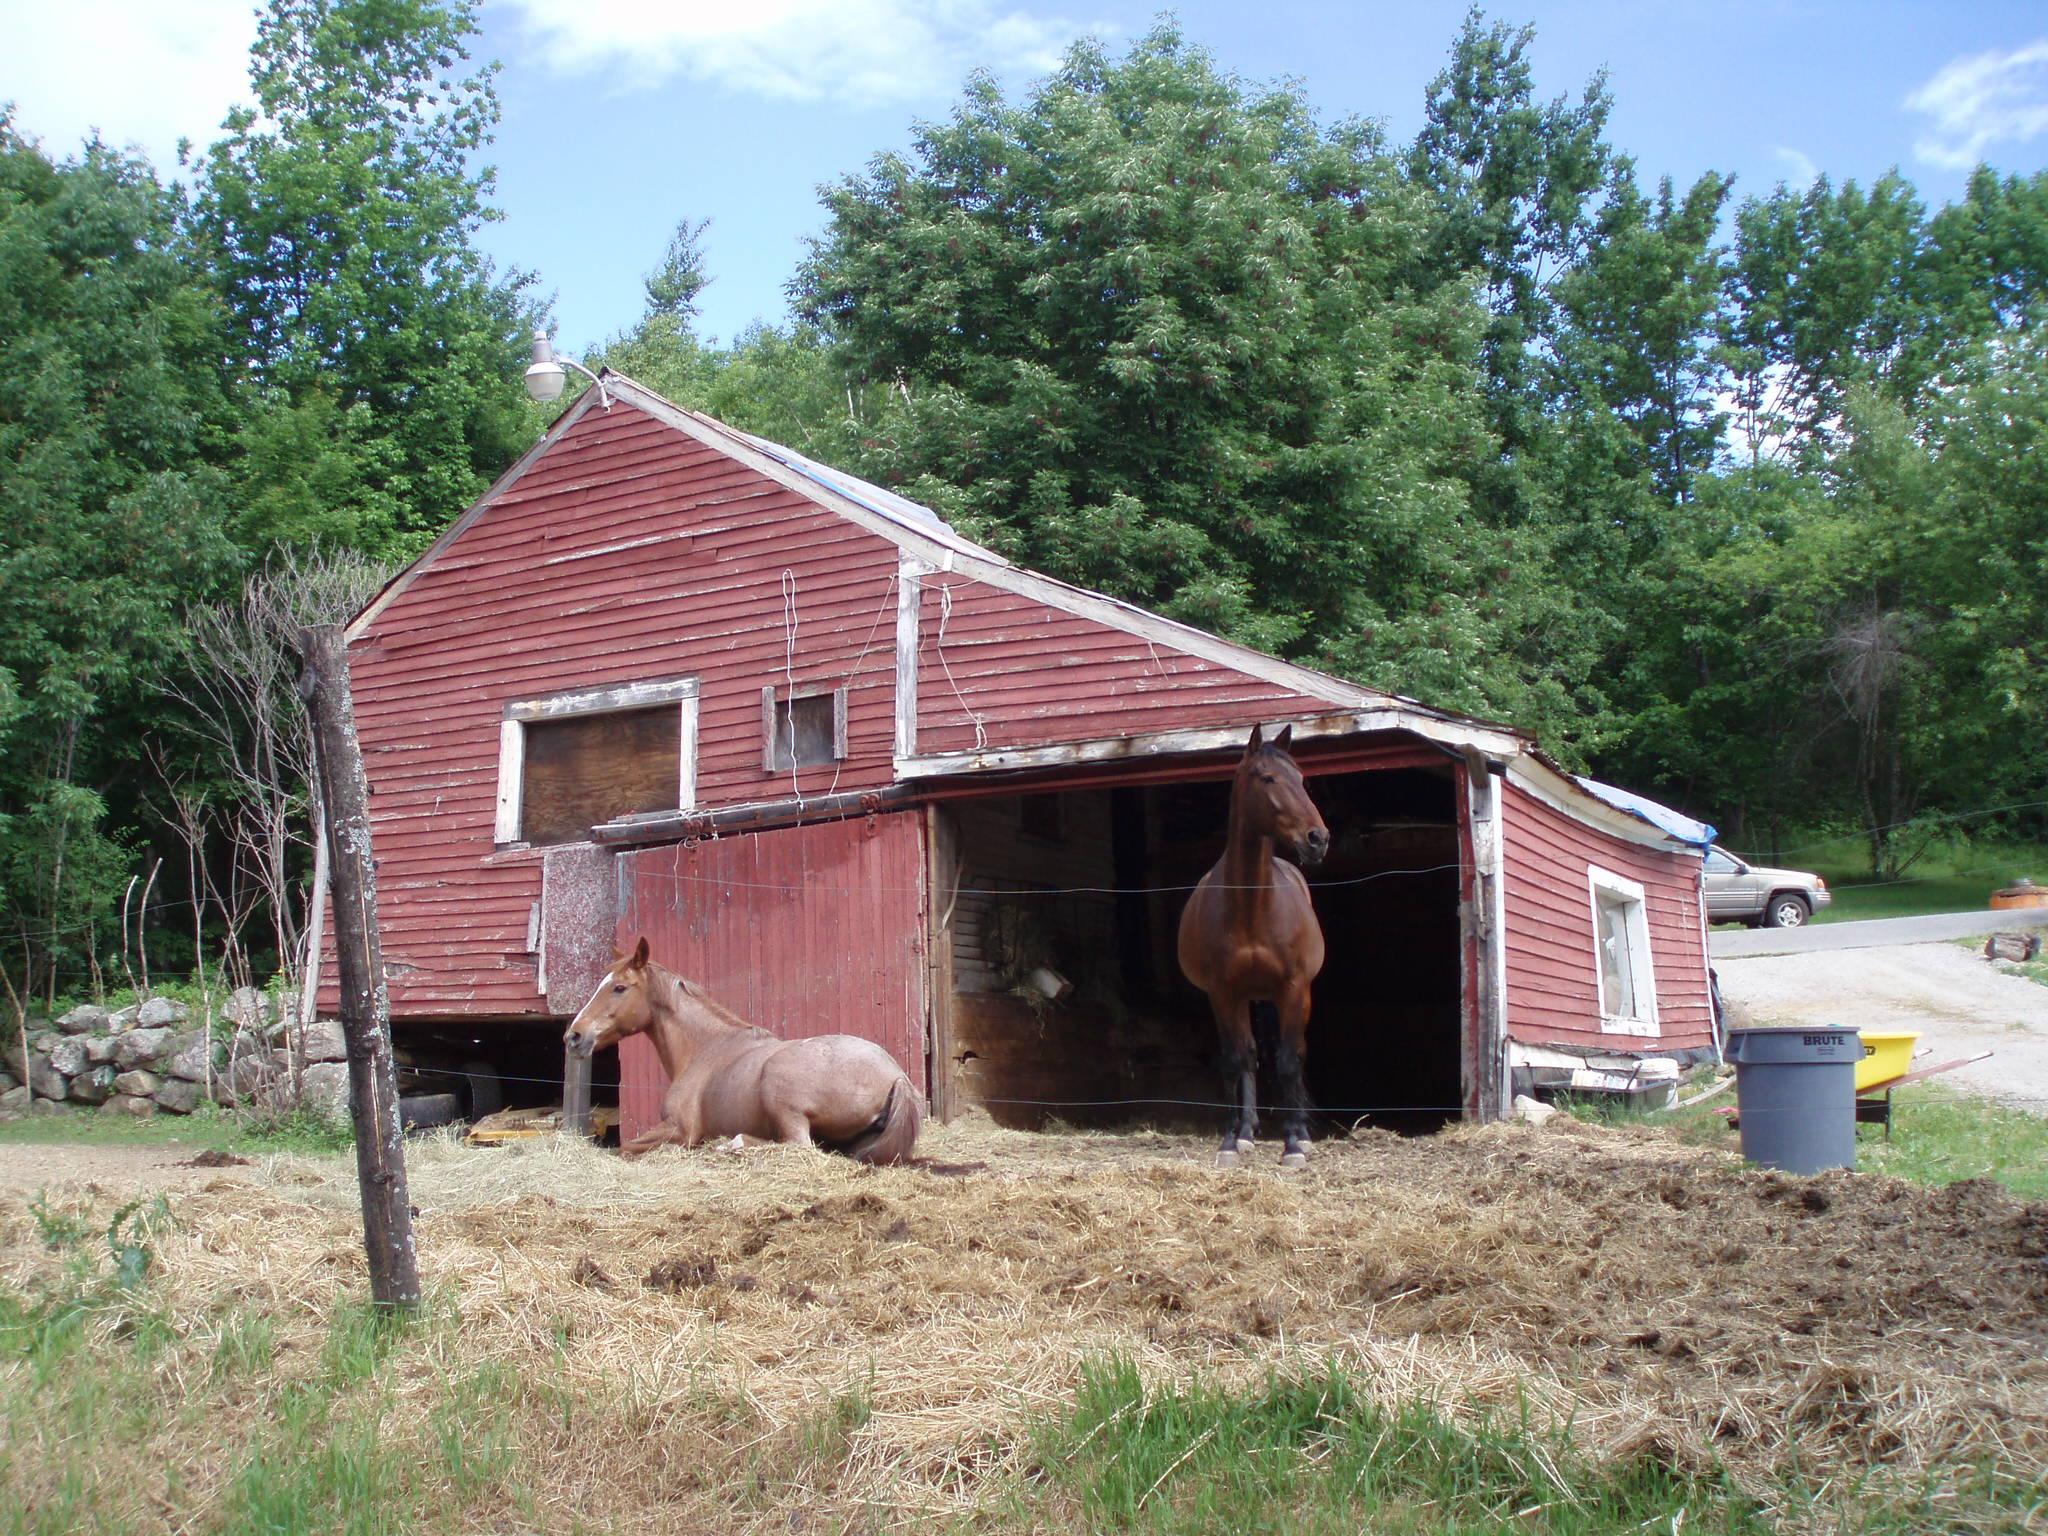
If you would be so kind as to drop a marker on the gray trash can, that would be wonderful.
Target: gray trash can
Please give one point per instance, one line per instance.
(1795, 1092)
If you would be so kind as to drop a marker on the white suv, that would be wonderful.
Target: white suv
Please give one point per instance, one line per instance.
(1741, 892)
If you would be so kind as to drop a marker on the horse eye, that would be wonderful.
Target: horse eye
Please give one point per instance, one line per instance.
(620, 987)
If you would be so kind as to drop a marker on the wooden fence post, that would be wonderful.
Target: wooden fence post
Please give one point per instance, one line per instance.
(359, 970)
(575, 1095)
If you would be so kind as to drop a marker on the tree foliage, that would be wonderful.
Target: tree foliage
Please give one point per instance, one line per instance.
(1739, 502)
(111, 402)
(1167, 335)
(340, 211)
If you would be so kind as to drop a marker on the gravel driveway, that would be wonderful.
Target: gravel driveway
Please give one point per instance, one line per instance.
(1958, 1001)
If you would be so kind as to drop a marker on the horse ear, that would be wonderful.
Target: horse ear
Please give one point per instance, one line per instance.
(640, 954)
(1286, 735)
(1258, 736)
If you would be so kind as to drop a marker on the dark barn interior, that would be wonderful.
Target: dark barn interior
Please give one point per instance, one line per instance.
(1067, 1002)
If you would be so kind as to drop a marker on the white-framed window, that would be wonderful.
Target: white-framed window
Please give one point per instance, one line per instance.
(572, 760)
(802, 728)
(1621, 951)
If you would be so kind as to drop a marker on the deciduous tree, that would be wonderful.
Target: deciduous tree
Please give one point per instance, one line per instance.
(341, 211)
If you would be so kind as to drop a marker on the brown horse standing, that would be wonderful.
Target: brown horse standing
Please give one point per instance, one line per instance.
(1249, 937)
(730, 1078)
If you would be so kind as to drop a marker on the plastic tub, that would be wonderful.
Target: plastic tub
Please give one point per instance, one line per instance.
(1886, 1055)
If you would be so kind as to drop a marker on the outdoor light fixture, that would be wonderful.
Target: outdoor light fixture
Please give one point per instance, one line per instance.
(544, 375)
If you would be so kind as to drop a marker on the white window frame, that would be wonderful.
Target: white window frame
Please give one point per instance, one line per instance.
(1629, 1016)
(769, 703)
(680, 691)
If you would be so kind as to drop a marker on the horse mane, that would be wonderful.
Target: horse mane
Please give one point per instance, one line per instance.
(677, 987)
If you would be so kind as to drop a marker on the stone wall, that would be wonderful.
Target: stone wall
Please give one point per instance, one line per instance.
(154, 1057)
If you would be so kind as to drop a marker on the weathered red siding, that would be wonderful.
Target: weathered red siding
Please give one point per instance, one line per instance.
(999, 669)
(809, 930)
(628, 552)
(1552, 986)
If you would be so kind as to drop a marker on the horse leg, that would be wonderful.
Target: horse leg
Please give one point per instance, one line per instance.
(660, 1134)
(1240, 1081)
(680, 1125)
(1290, 1060)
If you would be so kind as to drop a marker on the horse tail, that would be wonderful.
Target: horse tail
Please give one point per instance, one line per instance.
(893, 1132)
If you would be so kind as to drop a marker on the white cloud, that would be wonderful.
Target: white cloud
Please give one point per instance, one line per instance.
(141, 73)
(864, 52)
(1990, 98)
(1800, 171)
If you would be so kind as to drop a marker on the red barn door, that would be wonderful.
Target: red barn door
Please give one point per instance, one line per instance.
(808, 930)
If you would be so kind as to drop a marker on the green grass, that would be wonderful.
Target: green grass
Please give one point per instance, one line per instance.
(328, 1454)
(1313, 1455)
(205, 1129)
(1940, 1135)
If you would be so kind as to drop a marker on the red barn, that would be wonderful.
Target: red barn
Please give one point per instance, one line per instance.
(853, 772)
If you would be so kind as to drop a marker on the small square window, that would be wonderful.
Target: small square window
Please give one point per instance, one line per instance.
(802, 731)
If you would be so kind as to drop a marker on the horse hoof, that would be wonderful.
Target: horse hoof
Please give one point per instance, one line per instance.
(1226, 1159)
(1246, 1146)
(1294, 1160)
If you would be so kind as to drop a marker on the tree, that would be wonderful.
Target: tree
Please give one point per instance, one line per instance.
(1163, 334)
(1635, 329)
(772, 380)
(1514, 184)
(340, 211)
(108, 403)
(1821, 299)
(672, 287)
(241, 689)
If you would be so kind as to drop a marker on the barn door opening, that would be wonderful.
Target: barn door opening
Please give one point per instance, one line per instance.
(1062, 992)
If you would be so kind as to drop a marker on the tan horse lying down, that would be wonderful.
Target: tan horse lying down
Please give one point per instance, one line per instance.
(730, 1078)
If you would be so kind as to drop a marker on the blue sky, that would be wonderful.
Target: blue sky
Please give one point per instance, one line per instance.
(623, 116)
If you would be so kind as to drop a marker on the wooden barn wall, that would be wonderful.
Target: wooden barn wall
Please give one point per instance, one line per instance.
(996, 669)
(628, 552)
(1552, 987)
(808, 930)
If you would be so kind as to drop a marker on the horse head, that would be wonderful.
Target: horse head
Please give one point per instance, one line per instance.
(619, 1007)
(1270, 793)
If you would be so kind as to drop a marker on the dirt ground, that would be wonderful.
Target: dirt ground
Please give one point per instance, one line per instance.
(26, 1167)
(1663, 1299)
(1958, 1002)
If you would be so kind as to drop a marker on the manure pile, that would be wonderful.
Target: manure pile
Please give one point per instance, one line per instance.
(1662, 1300)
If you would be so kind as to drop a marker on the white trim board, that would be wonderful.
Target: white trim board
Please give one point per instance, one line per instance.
(1202, 739)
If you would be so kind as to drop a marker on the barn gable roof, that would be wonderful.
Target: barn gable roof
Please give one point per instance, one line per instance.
(930, 546)
(918, 530)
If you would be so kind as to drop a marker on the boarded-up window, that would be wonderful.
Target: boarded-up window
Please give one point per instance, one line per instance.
(804, 731)
(584, 769)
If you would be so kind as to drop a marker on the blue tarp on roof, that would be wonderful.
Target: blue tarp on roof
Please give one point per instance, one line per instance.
(1662, 817)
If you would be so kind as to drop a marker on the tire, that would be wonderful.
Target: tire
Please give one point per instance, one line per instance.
(486, 1090)
(423, 1111)
(1788, 909)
